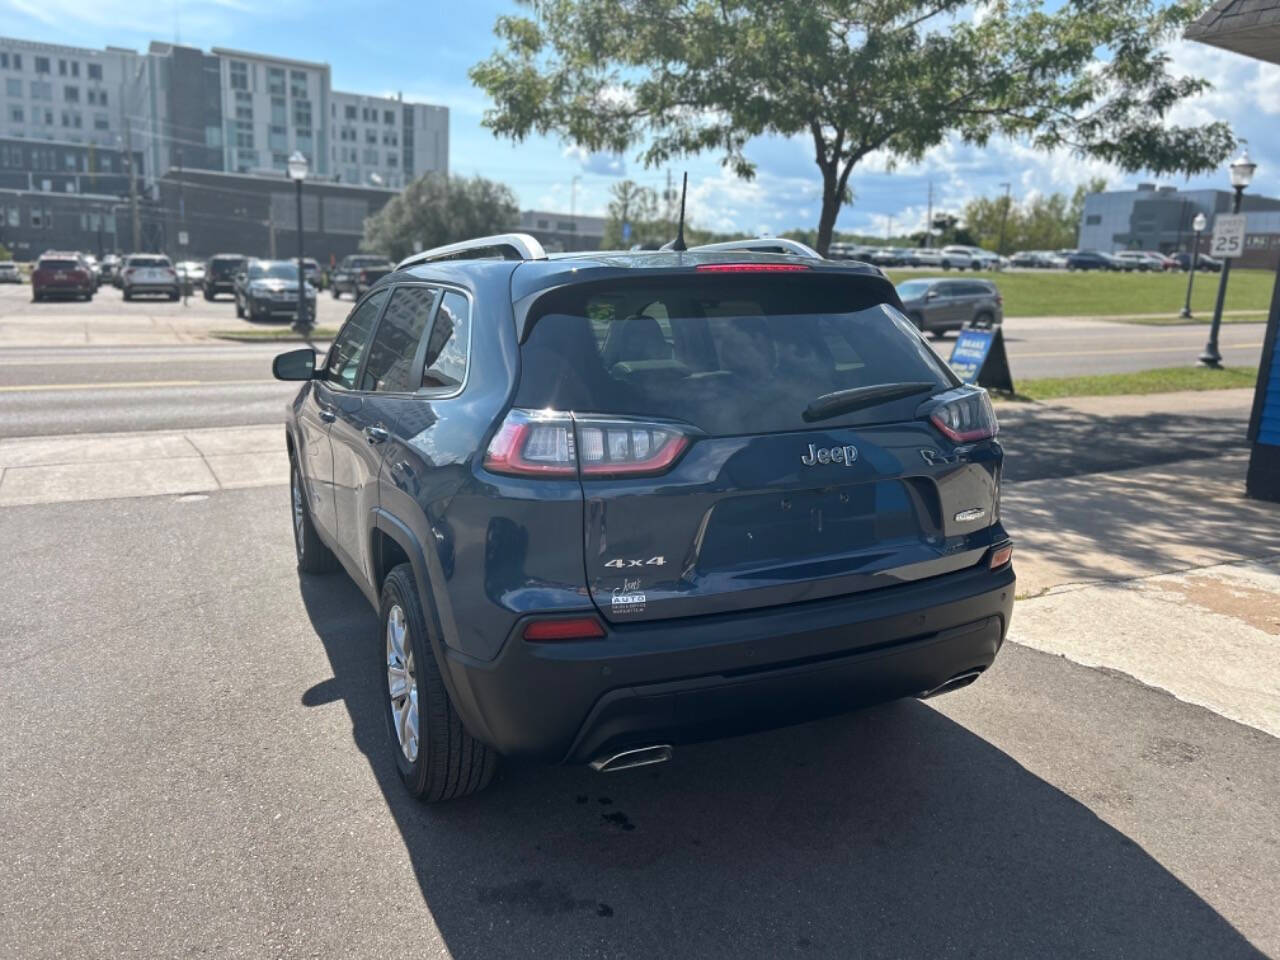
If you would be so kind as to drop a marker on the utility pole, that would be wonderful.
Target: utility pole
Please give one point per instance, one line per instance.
(888, 228)
(928, 227)
(1004, 218)
(133, 185)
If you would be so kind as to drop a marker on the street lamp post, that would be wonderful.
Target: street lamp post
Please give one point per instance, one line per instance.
(1241, 174)
(297, 166)
(1197, 225)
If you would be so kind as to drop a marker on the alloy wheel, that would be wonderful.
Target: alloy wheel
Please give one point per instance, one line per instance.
(402, 683)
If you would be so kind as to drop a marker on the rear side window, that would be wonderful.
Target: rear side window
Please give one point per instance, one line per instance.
(730, 356)
(395, 346)
(447, 347)
(353, 342)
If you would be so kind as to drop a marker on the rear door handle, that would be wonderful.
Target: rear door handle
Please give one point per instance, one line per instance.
(376, 434)
(328, 414)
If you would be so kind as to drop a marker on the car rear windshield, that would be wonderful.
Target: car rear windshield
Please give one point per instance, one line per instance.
(57, 265)
(280, 270)
(729, 354)
(148, 262)
(224, 265)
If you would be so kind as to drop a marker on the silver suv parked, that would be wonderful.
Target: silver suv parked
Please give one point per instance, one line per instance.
(936, 306)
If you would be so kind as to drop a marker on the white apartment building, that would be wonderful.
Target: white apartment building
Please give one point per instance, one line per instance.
(271, 107)
(72, 94)
(228, 110)
(384, 141)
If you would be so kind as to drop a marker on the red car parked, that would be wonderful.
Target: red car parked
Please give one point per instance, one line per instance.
(61, 275)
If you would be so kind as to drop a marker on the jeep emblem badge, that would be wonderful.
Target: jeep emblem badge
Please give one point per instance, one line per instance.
(846, 455)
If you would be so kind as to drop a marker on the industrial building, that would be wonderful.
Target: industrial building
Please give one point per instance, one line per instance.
(1159, 218)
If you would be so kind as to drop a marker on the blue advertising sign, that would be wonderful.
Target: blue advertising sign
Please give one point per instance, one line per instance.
(979, 357)
(970, 353)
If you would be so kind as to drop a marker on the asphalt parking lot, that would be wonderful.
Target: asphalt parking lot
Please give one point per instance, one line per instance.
(193, 760)
(196, 766)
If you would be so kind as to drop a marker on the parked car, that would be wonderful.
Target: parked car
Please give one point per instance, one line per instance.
(61, 275)
(357, 273)
(1203, 262)
(1092, 260)
(95, 270)
(936, 306)
(220, 274)
(269, 288)
(9, 272)
(1027, 258)
(109, 267)
(149, 274)
(888, 257)
(1140, 260)
(957, 257)
(979, 259)
(827, 489)
(191, 272)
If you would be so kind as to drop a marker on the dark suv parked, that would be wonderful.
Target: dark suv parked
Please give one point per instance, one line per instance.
(936, 306)
(220, 274)
(357, 273)
(609, 503)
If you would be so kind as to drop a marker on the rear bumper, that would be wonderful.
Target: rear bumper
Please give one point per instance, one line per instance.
(681, 681)
(134, 288)
(277, 307)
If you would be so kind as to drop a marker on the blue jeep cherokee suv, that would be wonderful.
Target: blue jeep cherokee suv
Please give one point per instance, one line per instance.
(606, 503)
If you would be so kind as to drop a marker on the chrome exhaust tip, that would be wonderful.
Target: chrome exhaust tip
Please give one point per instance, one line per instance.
(628, 759)
(955, 683)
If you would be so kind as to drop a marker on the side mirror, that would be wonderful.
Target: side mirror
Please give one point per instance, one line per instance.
(294, 365)
(931, 295)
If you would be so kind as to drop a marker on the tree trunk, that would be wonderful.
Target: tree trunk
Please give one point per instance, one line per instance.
(831, 197)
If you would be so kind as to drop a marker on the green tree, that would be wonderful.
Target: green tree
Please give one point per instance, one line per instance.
(853, 76)
(436, 209)
(1041, 223)
(638, 206)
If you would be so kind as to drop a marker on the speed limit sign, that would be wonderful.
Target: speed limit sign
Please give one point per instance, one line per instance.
(1228, 235)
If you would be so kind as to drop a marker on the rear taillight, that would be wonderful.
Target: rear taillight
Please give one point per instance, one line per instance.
(129, 271)
(572, 628)
(535, 443)
(364, 277)
(1000, 556)
(967, 417)
(750, 267)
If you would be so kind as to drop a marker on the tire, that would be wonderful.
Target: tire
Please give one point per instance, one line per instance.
(917, 320)
(313, 556)
(337, 295)
(984, 320)
(446, 762)
(128, 295)
(208, 295)
(174, 296)
(239, 310)
(36, 297)
(946, 264)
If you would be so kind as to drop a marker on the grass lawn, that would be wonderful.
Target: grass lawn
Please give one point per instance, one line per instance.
(1058, 293)
(1200, 319)
(1164, 380)
(274, 334)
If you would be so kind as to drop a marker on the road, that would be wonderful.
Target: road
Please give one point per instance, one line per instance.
(195, 764)
(79, 379)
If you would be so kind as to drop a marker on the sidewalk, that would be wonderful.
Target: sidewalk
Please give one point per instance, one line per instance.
(107, 466)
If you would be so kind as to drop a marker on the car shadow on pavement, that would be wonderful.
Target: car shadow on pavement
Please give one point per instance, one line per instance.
(891, 832)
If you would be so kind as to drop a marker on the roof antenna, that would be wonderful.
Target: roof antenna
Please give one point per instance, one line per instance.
(678, 243)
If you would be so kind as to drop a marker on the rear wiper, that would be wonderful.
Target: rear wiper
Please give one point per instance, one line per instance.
(855, 398)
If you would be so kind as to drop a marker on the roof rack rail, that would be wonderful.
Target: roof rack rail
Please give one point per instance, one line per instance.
(502, 246)
(765, 245)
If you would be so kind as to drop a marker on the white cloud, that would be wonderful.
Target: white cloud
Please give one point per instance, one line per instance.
(603, 164)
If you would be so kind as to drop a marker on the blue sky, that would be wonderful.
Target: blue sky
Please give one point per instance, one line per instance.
(425, 49)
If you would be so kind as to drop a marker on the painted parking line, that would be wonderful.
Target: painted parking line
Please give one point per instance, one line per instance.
(1128, 350)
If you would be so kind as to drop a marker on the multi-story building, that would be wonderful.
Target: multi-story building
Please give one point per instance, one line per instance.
(562, 231)
(1160, 218)
(72, 94)
(179, 108)
(384, 141)
(271, 107)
